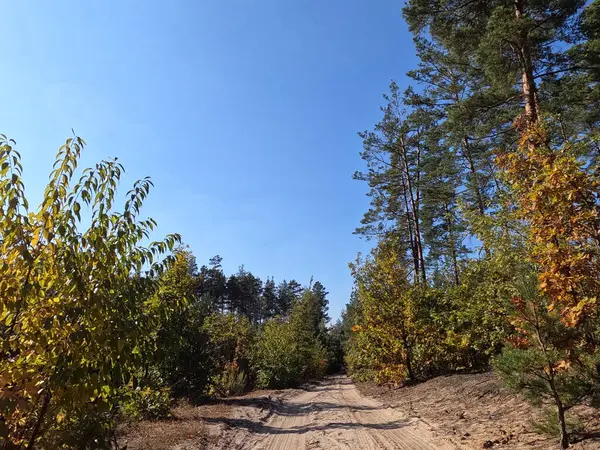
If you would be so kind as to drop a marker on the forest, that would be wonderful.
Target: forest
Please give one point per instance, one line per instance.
(484, 217)
(485, 213)
(100, 327)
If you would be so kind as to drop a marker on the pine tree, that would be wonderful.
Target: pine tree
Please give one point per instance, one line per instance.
(537, 52)
(269, 299)
(446, 82)
(542, 361)
(394, 156)
(414, 179)
(213, 284)
(335, 347)
(321, 294)
(287, 295)
(518, 47)
(444, 229)
(244, 295)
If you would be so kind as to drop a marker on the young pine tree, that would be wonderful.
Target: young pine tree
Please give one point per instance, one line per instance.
(546, 361)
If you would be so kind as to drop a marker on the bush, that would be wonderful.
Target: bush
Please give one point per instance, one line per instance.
(147, 403)
(232, 381)
(77, 297)
(89, 426)
(93, 425)
(477, 324)
(273, 358)
(285, 356)
(186, 360)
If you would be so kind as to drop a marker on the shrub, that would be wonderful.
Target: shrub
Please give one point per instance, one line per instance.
(186, 360)
(232, 381)
(287, 356)
(75, 315)
(275, 356)
(147, 403)
(92, 427)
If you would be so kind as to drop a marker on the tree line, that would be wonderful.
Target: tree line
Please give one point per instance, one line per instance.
(243, 293)
(100, 326)
(485, 208)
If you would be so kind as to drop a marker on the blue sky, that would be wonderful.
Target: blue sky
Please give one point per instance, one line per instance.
(244, 113)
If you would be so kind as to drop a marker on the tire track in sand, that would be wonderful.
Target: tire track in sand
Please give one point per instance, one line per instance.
(334, 415)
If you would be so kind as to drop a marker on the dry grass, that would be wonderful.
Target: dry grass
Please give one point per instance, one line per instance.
(185, 429)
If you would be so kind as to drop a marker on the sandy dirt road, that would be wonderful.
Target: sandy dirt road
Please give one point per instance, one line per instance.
(334, 415)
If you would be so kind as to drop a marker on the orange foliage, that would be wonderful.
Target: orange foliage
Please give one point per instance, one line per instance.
(559, 201)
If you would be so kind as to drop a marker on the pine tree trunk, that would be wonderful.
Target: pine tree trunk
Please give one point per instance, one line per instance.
(560, 410)
(408, 359)
(411, 233)
(564, 437)
(419, 245)
(528, 81)
(414, 213)
(452, 245)
(409, 369)
(469, 157)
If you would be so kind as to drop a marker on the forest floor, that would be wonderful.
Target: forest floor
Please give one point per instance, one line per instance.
(454, 412)
(475, 411)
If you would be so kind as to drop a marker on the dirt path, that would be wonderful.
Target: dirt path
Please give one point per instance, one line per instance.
(334, 415)
(469, 411)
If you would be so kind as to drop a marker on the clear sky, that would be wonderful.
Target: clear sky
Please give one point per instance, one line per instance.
(244, 112)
